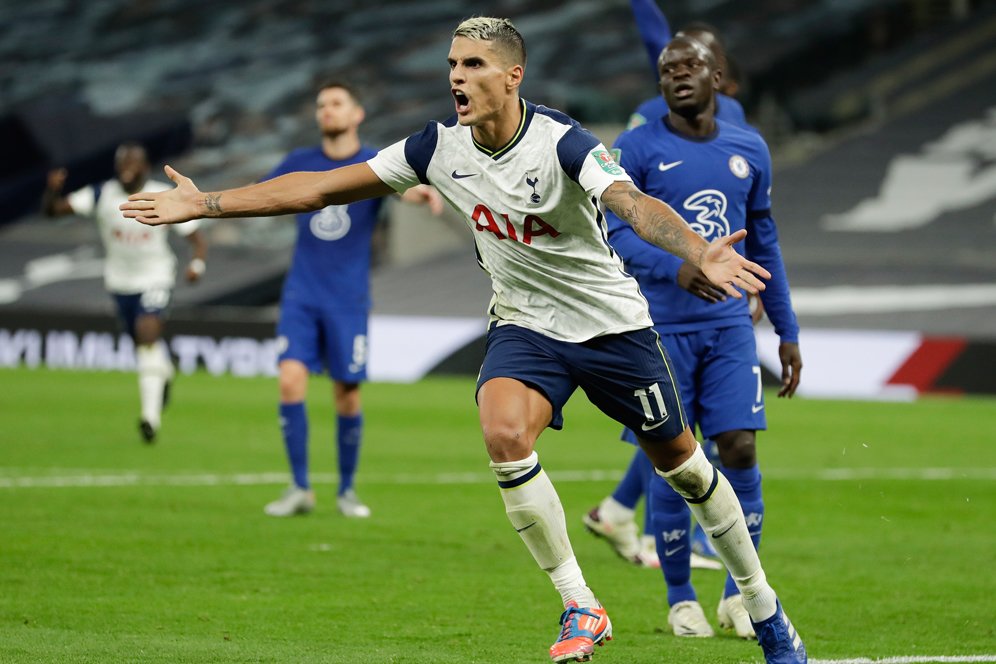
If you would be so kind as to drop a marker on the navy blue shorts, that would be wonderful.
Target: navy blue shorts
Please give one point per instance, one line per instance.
(720, 378)
(132, 305)
(627, 376)
(323, 338)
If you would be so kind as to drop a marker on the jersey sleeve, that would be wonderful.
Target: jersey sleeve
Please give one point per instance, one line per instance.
(588, 162)
(761, 246)
(406, 163)
(654, 29)
(83, 201)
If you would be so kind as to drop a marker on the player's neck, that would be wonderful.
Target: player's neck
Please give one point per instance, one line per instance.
(340, 146)
(699, 125)
(498, 131)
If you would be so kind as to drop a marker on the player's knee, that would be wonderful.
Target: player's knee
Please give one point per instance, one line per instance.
(147, 329)
(506, 441)
(737, 449)
(347, 398)
(293, 383)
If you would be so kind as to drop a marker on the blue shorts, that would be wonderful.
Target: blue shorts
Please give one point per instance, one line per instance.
(132, 305)
(324, 339)
(720, 378)
(627, 376)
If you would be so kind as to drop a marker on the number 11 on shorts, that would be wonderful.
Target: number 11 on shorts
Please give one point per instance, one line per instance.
(644, 396)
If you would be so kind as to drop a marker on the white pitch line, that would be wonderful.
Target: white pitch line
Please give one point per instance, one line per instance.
(919, 659)
(9, 479)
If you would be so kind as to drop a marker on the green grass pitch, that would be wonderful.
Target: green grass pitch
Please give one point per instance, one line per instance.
(114, 551)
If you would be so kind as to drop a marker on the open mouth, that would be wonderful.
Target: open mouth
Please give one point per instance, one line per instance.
(683, 91)
(462, 101)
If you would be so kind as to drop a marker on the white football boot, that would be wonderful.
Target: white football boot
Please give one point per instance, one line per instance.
(350, 506)
(294, 501)
(732, 614)
(688, 619)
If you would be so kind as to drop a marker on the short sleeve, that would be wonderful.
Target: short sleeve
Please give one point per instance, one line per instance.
(599, 170)
(83, 201)
(406, 163)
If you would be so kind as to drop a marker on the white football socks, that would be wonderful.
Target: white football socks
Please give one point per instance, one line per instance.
(715, 506)
(154, 369)
(534, 508)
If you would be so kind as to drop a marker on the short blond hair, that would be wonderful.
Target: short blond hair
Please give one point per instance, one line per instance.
(498, 30)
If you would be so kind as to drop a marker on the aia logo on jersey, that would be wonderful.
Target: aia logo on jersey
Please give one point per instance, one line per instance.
(331, 223)
(131, 236)
(709, 208)
(503, 228)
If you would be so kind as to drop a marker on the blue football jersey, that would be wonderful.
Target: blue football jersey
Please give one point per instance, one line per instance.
(719, 184)
(331, 263)
(728, 109)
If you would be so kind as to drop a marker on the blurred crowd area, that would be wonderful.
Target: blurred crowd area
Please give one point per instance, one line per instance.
(224, 88)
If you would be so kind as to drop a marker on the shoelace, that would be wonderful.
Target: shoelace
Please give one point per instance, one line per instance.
(570, 628)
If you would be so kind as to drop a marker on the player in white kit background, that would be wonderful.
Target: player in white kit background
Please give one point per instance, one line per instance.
(139, 268)
(527, 180)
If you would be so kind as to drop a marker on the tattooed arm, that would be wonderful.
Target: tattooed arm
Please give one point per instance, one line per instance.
(287, 194)
(657, 223)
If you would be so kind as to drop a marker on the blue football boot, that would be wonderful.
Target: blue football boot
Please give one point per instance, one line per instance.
(779, 640)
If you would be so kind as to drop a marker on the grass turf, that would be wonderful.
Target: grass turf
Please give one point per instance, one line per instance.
(167, 569)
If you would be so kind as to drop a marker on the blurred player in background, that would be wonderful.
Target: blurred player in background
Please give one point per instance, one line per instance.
(718, 175)
(527, 181)
(325, 303)
(139, 268)
(613, 518)
(655, 31)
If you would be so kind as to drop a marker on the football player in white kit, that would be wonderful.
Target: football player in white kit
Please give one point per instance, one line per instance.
(527, 180)
(139, 268)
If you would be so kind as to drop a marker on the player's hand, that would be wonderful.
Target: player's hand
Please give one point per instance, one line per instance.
(791, 360)
(728, 270)
(423, 194)
(165, 207)
(693, 280)
(56, 179)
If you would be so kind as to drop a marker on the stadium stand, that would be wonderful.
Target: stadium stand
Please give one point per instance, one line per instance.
(882, 116)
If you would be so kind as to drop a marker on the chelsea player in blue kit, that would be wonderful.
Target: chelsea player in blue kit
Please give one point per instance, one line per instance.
(613, 518)
(326, 302)
(718, 177)
(564, 314)
(655, 32)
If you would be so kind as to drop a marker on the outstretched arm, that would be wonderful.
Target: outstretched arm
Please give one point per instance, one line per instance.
(656, 222)
(287, 194)
(654, 29)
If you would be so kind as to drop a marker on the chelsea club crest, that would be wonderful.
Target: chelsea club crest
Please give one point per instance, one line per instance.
(331, 223)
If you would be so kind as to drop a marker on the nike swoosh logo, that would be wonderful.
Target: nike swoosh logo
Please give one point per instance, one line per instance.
(671, 552)
(726, 530)
(757, 409)
(647, 426)
(460, 176)
(519, 530)
(666, 167)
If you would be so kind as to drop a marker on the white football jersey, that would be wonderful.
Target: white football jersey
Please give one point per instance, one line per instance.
(138, 257)
(533, 208)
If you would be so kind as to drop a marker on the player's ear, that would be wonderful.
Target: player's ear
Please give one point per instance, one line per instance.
(361, 114)
(513, 76)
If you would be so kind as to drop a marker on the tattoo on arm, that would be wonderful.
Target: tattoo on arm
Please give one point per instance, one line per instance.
(654, 221)
(213, 202)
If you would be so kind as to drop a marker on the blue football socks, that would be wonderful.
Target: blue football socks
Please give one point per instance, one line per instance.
(672, 523)
(348, 437)
(294, 425)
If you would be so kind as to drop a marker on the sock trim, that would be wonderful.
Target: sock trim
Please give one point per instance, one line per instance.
(519, 481)
(712, 487)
